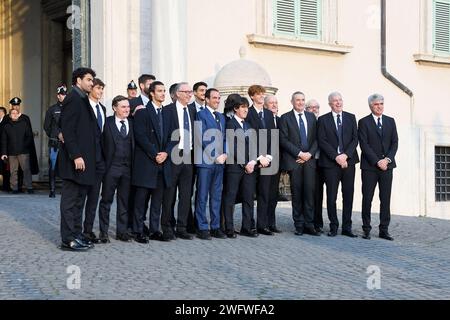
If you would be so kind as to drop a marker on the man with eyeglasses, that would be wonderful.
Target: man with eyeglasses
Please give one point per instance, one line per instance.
(182, 120)
(313, 106)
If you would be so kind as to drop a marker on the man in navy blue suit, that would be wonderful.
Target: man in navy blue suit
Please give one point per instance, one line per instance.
(298, 140)
(337, 135)
(378, 140)
(210, 166)
(151, 166)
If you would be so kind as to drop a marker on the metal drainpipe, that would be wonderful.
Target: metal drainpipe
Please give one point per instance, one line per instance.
(405, 89)
(384, 71)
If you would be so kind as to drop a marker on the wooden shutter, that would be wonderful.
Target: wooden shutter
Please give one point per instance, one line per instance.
(285, 16)
(310, 19)
(441, 26)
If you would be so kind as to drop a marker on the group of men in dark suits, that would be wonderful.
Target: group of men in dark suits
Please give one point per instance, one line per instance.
(152, 156)
(323, 150)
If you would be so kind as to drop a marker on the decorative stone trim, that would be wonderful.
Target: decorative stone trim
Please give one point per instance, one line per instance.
(280, 43)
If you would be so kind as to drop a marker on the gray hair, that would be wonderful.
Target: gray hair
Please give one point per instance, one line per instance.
(179, 85)
(268, 97)
(297, 93)
(334, 94)
(375, 97)
(310, 102)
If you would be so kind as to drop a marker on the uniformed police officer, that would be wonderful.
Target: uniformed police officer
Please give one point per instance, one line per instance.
(132, 90)
(55, 138)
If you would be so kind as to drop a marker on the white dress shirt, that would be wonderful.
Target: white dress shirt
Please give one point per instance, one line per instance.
(240, 121)
(145, 100)
(304, 120)
(180, 113)
(119, 124)
(198, 106)
(376, 119)
(336, 125)
(94, 108)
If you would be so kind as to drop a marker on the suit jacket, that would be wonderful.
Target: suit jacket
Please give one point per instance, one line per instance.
(290, 140)
(375, 148)
(233, 151)
(329, 142)
(148, 144)
(208, 122)
(134, 103)
(109, 143)
(79, 127)
(255, 122)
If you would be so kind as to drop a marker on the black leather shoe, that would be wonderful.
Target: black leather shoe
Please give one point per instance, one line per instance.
(312, 232)
(123, 237)
(89, 236)
(84, 242)
(73, 246)
(366, 235)
(156, 236)
(168, 237)
(52, 194)
(141, 238)
(386, 236)
(15, 192)
(298, 232)
(318, 230)
(265, 232)
(231, 234)
(332, 233)
(349, 234)
(275, 230)
(184, 235)
(30, 191)
(217, 233)
(82, 238)
(146, 230)
(204, 235)
(104, 238)
(249, 233)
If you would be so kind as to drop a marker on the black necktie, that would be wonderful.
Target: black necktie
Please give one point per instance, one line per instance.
(187, 132)
(123, 129)
(340, 134)
(99, 117)
(380, 127)
(261, 119)
(160, 122)
(303, 137)
(216, 115)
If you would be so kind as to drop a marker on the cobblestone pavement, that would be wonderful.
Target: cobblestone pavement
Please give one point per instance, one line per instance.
(415, 266)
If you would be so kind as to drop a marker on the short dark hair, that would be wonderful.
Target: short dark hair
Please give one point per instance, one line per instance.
(81, 73)
(4, 110)
(240, 102)
(199, 84)
(98, 82)
(117, 100)
(154, 85)
(173, 88)
(208, 92)
(231, 102)
(145, 77)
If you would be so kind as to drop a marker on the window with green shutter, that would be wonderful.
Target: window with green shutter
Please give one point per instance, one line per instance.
(441, 26)
(298, 18)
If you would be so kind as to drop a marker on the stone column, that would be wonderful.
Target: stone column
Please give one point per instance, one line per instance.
(169, 43)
